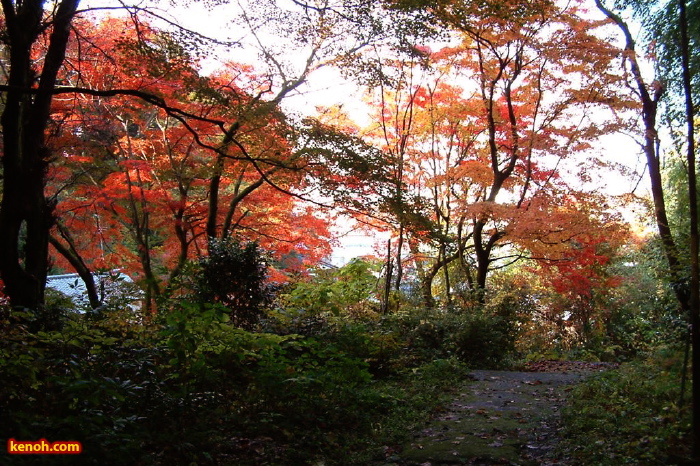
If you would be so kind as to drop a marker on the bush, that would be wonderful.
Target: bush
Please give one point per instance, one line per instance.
(77, 383)
(397, 342)
(191, 387)
(195, 390)
(234, 275)
(349, 290)
(477, 338)
(485, 341)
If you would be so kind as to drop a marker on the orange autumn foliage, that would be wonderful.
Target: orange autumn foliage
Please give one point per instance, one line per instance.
(489, 142)
(133, 183)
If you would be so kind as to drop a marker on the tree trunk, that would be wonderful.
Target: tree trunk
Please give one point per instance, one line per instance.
(181, 233)
(399, 261)
(387, 281)
(441, 262)
(426, 281)
(446, 272)
(73, 257)
(25, 214)
(212, 215)
(694, 239)
(649, 101)
(483, 260)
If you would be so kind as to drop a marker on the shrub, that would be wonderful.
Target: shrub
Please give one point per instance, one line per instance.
(484, 341)
(404, 340)
(77, 383)
(234, 275)
(349, 290)
(182, 394)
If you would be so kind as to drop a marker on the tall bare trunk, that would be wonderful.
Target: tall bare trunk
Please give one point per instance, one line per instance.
(649, 98)
(693, 199)
(387, 281)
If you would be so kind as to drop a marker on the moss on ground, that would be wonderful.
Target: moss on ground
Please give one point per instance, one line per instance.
(500, 418)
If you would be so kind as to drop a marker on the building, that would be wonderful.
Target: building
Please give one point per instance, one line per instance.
(112, 287)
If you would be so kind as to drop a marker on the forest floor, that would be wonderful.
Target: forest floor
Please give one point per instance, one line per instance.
(500, 418)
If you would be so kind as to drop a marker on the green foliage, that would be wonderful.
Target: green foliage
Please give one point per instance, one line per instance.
(347, 290)
(347, 158)
(676, 194)
(630, 416)
(394, 343)
(188, 329)
(635, 314)
(642, 313)
(195, 389)
(76, 383)
(485, 341)
(661, 28)
(479, 339)
(234, 275)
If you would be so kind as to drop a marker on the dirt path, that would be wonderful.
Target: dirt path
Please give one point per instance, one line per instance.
(502, 418)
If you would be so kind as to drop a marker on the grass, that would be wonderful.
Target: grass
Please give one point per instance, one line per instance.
(630, 415)
(414, 397)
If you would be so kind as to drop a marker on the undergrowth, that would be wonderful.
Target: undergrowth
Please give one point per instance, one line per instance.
(630, 415)
(193, 389)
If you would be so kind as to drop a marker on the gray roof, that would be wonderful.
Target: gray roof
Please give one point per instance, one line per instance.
(109, 285)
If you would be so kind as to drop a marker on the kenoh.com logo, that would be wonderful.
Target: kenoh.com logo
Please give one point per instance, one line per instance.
(43, 447)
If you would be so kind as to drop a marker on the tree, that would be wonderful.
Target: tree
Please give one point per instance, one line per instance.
(25, 214)
(37, 42)
(156, 188)
(484, 163)
(694, 302)
(670, 29)
(649, 95)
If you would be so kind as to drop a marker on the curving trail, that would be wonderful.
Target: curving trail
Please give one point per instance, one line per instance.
(501, 418)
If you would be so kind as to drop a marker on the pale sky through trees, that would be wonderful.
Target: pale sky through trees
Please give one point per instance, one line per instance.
(326, 88)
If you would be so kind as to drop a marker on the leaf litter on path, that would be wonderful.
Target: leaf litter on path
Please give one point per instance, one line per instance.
(500, 418)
